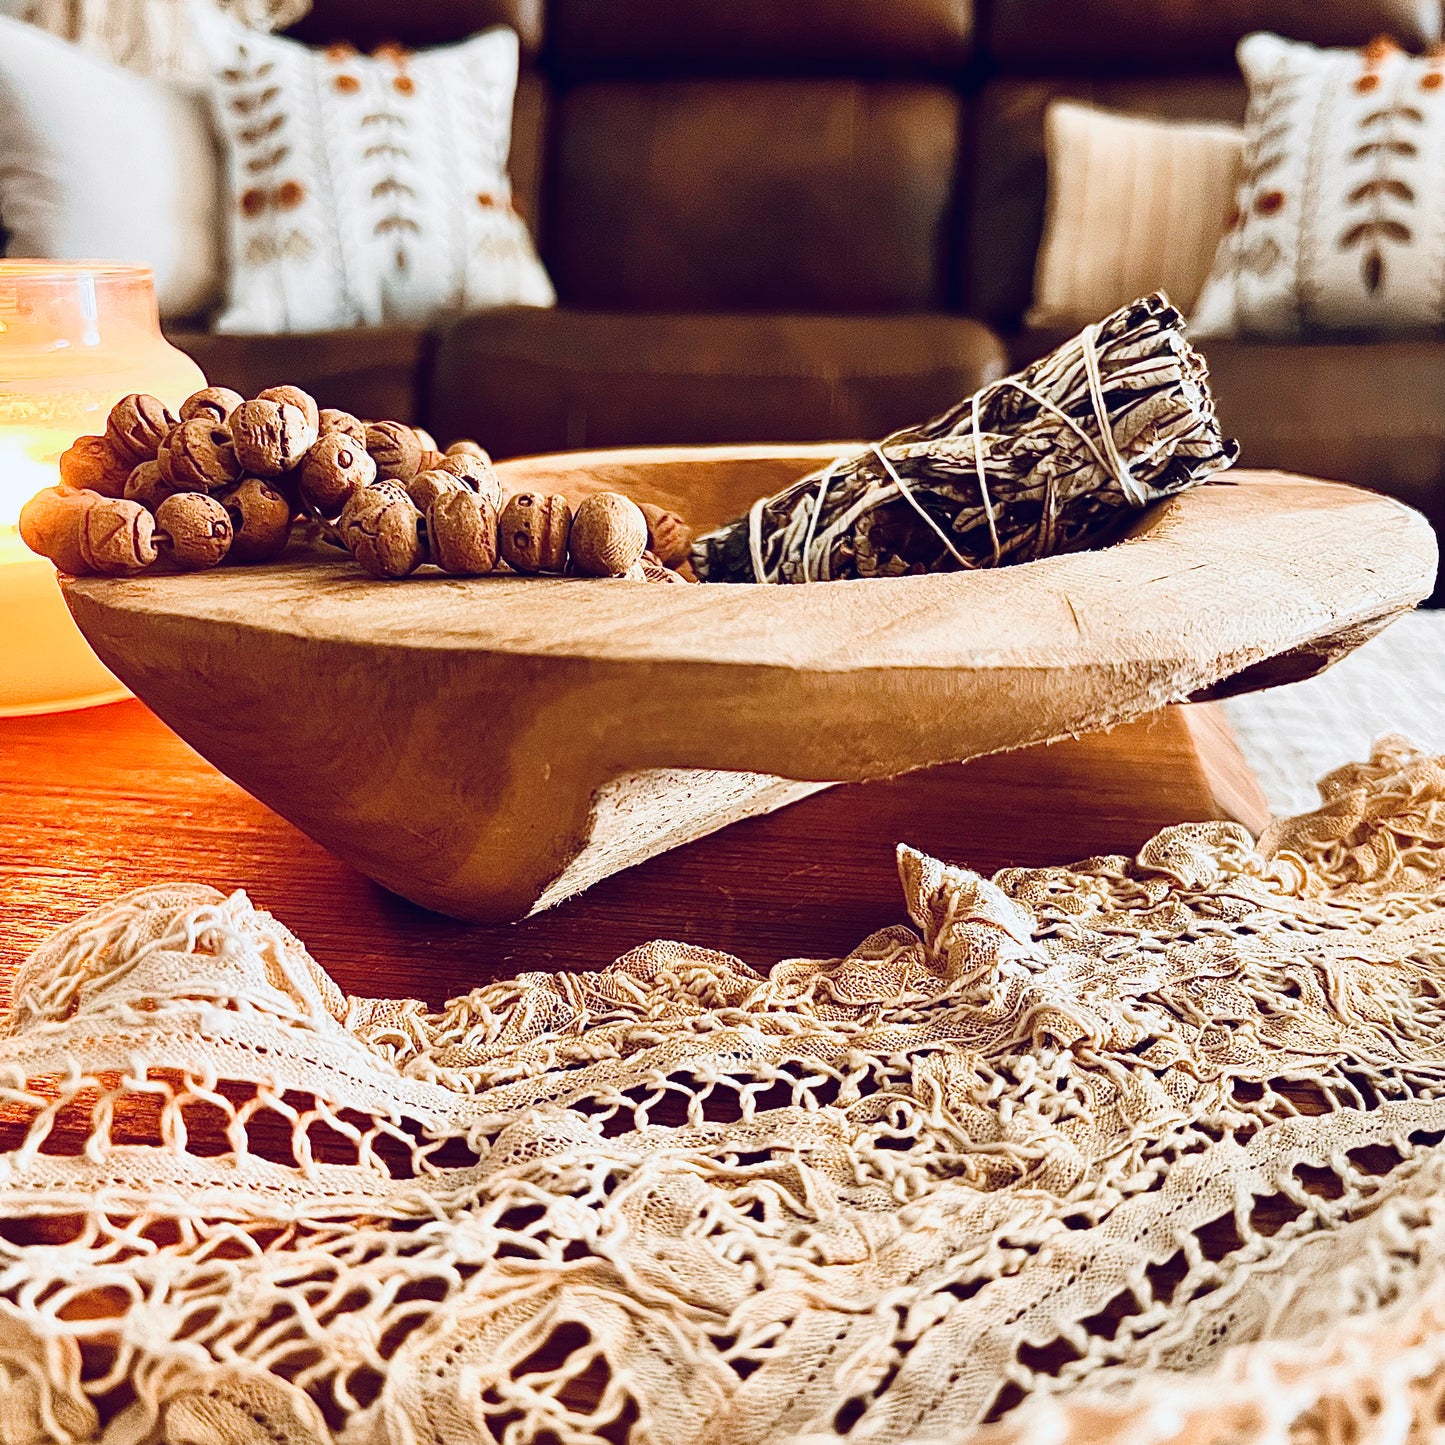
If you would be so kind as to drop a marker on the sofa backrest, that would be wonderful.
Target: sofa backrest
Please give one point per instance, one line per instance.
(845, 156)
(755, 154)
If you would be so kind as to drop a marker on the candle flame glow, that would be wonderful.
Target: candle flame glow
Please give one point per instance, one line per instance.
(27, 463)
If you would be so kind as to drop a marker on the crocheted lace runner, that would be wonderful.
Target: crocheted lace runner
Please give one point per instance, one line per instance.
(1134, 1150)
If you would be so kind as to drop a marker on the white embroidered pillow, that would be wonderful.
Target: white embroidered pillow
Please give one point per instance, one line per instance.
(1135, 205)
(1340, 217)
(368, 190)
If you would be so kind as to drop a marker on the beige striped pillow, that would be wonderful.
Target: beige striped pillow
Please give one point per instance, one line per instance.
(1135, 205)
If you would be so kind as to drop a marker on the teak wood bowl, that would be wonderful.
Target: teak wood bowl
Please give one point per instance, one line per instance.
(488, 747)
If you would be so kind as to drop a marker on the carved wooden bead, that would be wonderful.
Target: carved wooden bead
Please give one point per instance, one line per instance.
(669, 538)
(468, 448)
(426, 487)
(395, 450)
(335, 467)
(382, 531)
(148, 486)
(213, 403)
(462, 533)
(532, 532)
(117, 537)
(464, 466)
(476, 472)
(260, 514)
(50, 524)
(199, 456)
(329, 420)
(609, 535)
(137, 426)
(303, 401)
(193, 530)
(430, 461)
(427, 440)
(270, 437)
(92, 464)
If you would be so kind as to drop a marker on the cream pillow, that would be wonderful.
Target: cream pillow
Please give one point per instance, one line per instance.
(1341, 207)
(97, 163)
(1134, 205)
(368, 190)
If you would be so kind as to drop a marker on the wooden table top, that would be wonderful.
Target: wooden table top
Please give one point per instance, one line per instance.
(97, 802)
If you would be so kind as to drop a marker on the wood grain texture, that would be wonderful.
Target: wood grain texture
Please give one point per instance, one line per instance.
(455, 738)
(95, 803)
(1235, 790)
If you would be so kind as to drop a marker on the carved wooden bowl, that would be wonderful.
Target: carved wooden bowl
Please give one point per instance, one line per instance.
(488, 747)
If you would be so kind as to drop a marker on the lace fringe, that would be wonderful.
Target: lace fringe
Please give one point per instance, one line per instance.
(1139, 1150)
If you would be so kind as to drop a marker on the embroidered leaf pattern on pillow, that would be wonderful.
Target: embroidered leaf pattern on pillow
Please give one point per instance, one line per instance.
(1268, 117)
(269, 195)
(1388, 138)
(385, 129)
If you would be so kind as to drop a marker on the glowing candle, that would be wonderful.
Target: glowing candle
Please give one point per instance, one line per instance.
(75, 337)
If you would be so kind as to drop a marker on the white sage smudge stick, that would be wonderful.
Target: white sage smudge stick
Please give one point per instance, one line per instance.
(1054, 459)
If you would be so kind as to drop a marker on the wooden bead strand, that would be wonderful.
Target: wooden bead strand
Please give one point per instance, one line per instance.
(227, 480)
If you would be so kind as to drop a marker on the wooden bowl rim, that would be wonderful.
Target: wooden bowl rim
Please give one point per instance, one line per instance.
(1199, 578)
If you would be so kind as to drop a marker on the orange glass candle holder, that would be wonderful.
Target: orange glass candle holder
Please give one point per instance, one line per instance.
(75, 337)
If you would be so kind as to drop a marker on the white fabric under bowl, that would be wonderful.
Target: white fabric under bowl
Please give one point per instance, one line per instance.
(1291, 736)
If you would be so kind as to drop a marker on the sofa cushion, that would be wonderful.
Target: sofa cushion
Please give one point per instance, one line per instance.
(634, 37)
(374, 374)
(523, 381)
(728, 195)
(1188, 34)
(1371, 413)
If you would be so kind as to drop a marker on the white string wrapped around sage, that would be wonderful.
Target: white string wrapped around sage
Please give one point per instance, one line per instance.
(1053, 459)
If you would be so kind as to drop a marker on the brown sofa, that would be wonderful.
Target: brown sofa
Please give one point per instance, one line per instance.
(802, 219)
